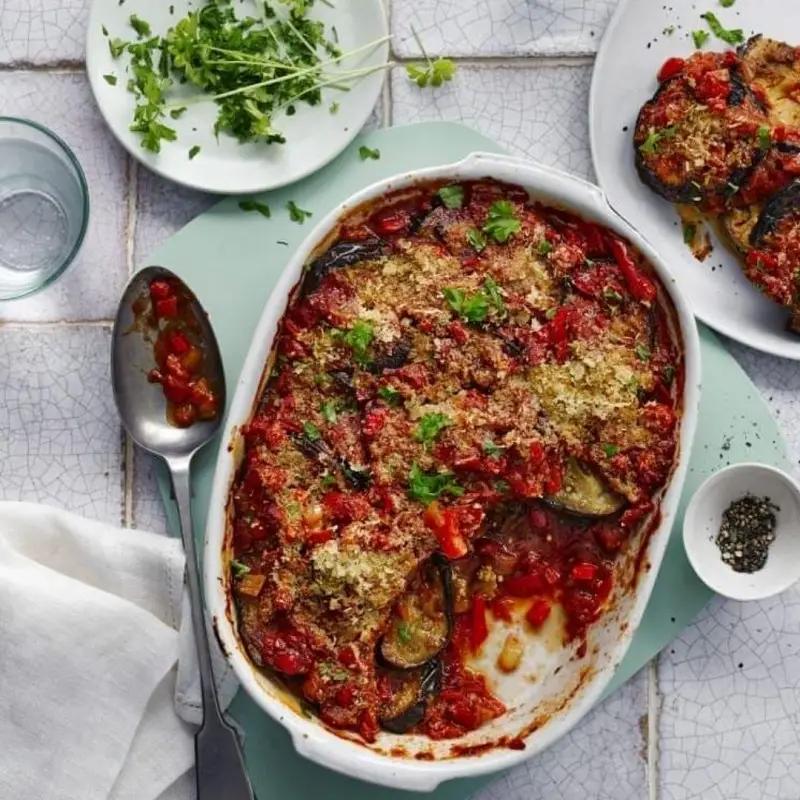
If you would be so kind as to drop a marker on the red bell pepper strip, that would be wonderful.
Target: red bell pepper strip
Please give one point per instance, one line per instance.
(444, 523)
(479, 631)
(640, 287)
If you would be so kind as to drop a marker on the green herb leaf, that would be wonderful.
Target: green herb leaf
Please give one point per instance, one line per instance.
(238, 568)
(642, 351)
(390, 395)
(609, 449)
(297, 214)
(328, 410)
(611, 295)
(251, 204)
(116, 47)
(689, 231)
(104, 30)
(141, 27)
(434, 73)
(311, 431)
(544, 247)
(193, 151)
(452, 196)
(176, 113)
(731, 36)
(110, 79)
(476, 240)
(425, 487)
(367, 152)
(333, 108)
(358, 339)
(764, 137)
(491, 449)
(404, 632)
(430, 427)
(726, 3)
(327, 480)
(650, 145)
(501, 224)
(492, 292)
(473, 309)
(700, 37)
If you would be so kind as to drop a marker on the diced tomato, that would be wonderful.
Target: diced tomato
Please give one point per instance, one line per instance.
(670, 68)
(583, 571)
(178, 343)
(391, 221)
(315, 538)
(166, 308)
(176, 390)
(159, 290)
(634, 514)
(374, 421)
(502, 607)
(345, 508)
(640, 286)
(560, 331)
(458, 332)
(524, 585)
(345, 695)
(538, 612)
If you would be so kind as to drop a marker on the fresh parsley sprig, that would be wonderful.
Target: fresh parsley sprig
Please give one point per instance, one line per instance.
(434, 72)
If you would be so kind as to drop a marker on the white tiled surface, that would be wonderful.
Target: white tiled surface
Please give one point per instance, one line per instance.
(698, 725)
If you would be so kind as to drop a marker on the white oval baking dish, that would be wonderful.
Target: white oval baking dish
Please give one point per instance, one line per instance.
(556, 686)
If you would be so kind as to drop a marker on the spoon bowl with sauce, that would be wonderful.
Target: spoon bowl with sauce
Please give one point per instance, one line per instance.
(169, 388)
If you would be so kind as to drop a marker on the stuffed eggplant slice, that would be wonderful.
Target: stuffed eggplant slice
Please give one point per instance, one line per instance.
(457, 355)
(772, 69)
(697, 138)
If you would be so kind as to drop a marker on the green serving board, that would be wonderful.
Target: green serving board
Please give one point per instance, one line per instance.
(232, 260)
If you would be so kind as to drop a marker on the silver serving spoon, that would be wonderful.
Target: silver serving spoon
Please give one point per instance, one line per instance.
(219, 762)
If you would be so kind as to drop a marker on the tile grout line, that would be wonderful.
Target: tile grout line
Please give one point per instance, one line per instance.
(130, 235)
(652, 728)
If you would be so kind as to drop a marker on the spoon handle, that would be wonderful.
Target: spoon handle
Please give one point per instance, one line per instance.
(219, 764)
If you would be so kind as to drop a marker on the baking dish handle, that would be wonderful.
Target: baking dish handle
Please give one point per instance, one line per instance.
(549, 179)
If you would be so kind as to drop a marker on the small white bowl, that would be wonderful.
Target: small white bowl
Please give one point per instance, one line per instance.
(704, 515)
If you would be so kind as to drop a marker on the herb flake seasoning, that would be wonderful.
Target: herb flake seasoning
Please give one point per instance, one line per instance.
(746, 533)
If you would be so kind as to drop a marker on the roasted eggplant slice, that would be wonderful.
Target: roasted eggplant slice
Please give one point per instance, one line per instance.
(342, 254)
(317, 449)
(773, 173)
(773, 67)
(773, 263)
(410, 690)
(692, 146)
(421, 623)
(585, 493)
(392, 358)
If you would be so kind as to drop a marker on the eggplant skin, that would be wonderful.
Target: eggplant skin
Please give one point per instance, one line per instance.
(342, 254)
(776, 209)
(427, 681)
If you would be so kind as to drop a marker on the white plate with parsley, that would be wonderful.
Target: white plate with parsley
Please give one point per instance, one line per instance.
(639, 39)
(241, 97)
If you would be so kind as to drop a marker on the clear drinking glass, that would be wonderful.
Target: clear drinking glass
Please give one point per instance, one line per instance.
(44, 207)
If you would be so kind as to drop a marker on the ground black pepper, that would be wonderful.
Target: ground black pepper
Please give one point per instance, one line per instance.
(746, 532)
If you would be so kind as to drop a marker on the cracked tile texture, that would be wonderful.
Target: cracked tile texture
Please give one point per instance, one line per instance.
(726, 713)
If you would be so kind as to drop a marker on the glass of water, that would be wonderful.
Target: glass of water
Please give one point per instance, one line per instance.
(44, 207)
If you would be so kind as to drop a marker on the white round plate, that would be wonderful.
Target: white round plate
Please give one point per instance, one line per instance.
(314, 136)
(635, 45)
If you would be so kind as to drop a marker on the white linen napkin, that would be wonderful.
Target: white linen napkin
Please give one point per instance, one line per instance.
(93, 620)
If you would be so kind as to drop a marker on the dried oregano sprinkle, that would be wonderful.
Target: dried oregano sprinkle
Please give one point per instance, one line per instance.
(746, 532)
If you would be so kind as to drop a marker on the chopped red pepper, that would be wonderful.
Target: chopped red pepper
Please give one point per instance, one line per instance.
(538, 612)
(583, 571)
(166, 308)
(444, 522)
(640, 286)
(670, 68)
(160, 290)
(524, 585)
(479, 631)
